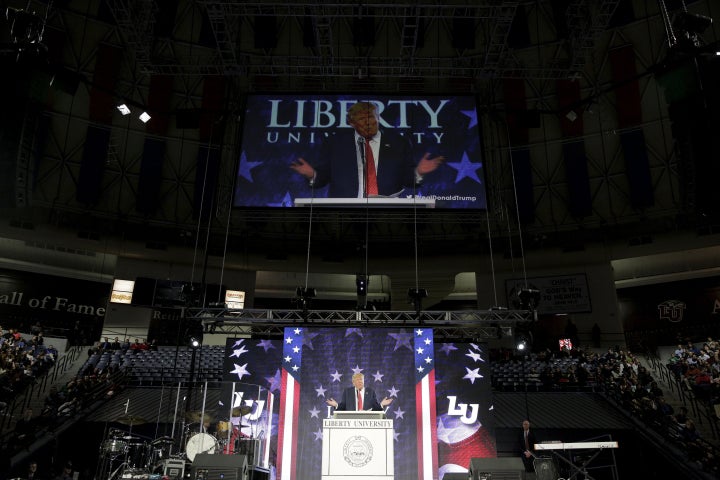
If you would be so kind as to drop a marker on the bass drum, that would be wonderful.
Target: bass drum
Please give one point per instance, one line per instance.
(200, 443)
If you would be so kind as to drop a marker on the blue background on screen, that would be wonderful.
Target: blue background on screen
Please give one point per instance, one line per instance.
(280, 128)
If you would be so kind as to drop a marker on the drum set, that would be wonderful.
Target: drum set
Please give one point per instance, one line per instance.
(128, 455)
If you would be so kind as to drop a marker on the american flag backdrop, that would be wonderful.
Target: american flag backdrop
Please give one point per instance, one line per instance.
(425, 408)
(433, 434)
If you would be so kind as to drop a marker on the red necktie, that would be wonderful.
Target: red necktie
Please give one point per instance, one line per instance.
(359, 400)
(371, 187)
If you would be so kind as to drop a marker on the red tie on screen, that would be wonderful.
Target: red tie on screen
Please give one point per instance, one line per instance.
(370, 175)
(359, 400)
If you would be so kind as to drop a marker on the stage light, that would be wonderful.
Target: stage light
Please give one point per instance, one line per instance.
(144, 117)
(521, 345)
(194, 342)
(124, 109)
(361, 282)
(529, 298)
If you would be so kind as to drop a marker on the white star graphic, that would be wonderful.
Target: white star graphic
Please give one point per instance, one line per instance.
(472, 375)
(399, 414)
(336, 376)
(297, 331)
(427, 341)
(238, 342)
(378, 376)
(419, 332)
(428, 360)
(287, 359)
(420, 369)
(288, 340)
(295, 368)
(239, 351)
(240, 371)
(321, 391)
(296, 349)
(357, 369)
(318, 434)
(475, 347)
(314, 413)
(393, 392)
(473, 355)
(419, 350)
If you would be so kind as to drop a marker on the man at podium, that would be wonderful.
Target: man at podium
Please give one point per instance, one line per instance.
(358, 397)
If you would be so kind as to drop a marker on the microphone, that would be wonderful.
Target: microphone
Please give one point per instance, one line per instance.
(361, 146)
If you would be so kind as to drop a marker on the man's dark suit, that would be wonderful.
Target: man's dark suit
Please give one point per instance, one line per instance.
(337, 165)
(370, 401)
(528, 461)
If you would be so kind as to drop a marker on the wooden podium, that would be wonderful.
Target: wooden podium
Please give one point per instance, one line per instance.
(358, 446)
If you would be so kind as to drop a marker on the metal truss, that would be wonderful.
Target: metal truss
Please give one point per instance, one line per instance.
(447, 325)
(587, 21)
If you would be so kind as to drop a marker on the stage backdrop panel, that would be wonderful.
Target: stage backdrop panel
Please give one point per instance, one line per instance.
(441, 408)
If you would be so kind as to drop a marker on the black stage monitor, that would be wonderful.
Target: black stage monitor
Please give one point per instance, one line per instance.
(206, 466)
(504, 468)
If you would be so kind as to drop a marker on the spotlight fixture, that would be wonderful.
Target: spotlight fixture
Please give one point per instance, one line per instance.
(124, 109)
(194, 342)
(361, 282)
(529, 298)
(521, 345)
(144, 117)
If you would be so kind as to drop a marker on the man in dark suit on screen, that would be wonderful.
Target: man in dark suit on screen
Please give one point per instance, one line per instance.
(358, 397)
(367, 161)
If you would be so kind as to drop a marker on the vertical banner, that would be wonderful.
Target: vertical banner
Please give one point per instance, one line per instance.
(290, 402)
(465, 425)
(425, 403)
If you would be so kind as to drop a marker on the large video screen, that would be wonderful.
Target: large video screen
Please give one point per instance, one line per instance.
(298, 149)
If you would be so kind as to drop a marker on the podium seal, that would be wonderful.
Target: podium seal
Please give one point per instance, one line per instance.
(357, 451)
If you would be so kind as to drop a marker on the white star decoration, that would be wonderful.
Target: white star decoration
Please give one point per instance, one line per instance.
(288, 340)
(239, 351)
(399, 414)
(357, 369)
(393, 392)
(321, 391)
(336, 376)
(378, 376)
(240, 371)
(474, 356)
(472, 375)
(314, 413)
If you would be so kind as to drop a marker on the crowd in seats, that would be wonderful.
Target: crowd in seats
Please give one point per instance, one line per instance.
(698, 368)
(622, 376)
(60, 404)
(22, 361)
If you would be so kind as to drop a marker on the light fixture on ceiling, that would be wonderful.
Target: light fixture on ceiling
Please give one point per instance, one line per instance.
(124, 109)
(144, 117)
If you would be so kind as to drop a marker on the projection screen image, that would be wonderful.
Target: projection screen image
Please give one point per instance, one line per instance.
(301, 148)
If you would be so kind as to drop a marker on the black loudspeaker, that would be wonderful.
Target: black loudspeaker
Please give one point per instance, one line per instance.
(219, 467)
(505, 468)
(260, 473)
